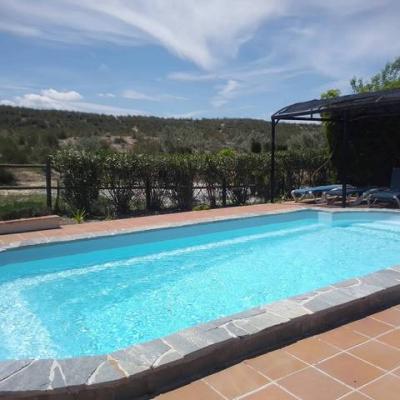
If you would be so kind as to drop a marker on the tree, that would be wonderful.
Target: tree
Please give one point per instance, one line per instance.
(373, 144)
(255, 146)
(388, 78)
(331, 94)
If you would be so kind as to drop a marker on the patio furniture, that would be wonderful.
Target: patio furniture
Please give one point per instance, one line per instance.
(389, 195)
(361, 194)
(312, 192)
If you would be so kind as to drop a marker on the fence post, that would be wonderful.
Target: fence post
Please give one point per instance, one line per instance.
(224, 192)
(48, 183)
(148, 194)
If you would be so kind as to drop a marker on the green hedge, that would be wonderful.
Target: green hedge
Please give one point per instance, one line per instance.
(170, 180)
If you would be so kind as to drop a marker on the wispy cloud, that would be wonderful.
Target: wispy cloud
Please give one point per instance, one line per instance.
(238, 48)
(136, 95)
(109, 95)
(330, 41)
(204, 32)
(225, 93)
(51, 99)
(191, 76)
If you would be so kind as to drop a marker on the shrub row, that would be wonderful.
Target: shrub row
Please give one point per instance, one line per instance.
(169, 180)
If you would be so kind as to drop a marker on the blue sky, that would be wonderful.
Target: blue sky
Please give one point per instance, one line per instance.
(189, 58)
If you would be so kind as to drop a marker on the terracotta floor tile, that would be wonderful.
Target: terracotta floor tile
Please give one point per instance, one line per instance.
(355, 396)
(311, 350)
(271, 392)
(397, 372)
(378, 354)
(310, 384)
(195, 391)
(390, 316)
(276, 364)
(392, 338)
(350, 370)
(32, 236)
(385, 388)
(369, 327)
(343, 338)
(236, 381)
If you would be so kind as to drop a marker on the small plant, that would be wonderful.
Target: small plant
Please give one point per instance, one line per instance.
(79, 216)
(201, 207)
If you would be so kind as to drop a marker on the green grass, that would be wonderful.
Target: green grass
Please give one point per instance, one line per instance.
(23, 206)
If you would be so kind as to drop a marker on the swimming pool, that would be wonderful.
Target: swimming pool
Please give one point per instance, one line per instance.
(95, 296)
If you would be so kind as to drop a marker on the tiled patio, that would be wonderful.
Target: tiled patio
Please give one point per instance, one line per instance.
(357, 361)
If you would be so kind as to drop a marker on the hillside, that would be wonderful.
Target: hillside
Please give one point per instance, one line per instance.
(28, 135)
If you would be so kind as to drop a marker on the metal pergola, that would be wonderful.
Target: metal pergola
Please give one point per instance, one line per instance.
(343, 109)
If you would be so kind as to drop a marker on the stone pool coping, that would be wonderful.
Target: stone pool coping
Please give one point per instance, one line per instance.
(59, 236)
(146, 369)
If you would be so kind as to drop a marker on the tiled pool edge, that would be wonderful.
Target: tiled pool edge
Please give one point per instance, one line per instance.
(149, 368)
(151, 227)
(127, 230)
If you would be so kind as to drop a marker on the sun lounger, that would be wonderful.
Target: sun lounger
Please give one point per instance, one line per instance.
(312, 192)
(389, 195)
(361, 194)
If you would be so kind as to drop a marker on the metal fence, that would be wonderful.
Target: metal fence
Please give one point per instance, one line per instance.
(46, 168)
(222, 193)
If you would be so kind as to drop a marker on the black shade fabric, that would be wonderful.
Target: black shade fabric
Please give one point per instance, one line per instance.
(386, 102)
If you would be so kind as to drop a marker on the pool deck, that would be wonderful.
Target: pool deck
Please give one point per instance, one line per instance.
(90, 229)
(357, 361)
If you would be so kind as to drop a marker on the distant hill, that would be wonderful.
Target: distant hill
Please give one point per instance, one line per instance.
(29, 135)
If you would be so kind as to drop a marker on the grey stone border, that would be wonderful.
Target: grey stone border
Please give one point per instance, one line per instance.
(146, 369)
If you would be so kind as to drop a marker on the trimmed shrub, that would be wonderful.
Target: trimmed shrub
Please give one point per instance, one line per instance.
(168, 180)
(181, 173)
(120, 176)
(211, 176)
(81, 173)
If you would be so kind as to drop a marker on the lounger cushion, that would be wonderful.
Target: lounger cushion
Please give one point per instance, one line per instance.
(314, 190)
(386, 195)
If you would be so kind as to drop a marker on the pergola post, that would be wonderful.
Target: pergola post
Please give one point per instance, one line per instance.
(272, 170)
(344, 160)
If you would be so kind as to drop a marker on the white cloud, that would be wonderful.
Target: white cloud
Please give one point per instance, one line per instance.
(109, 95)
(225, 93)
(321, 42)
(51, 99)
(204, 32)
(135, 95)
(191, 76)
(209, 32)
(332, 40)
(53, 94)
(7, 103)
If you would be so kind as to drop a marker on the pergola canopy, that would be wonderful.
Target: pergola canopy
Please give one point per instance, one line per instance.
(385, 103)
(363, 105)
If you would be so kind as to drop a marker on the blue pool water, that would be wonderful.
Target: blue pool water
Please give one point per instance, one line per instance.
(95, 296)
